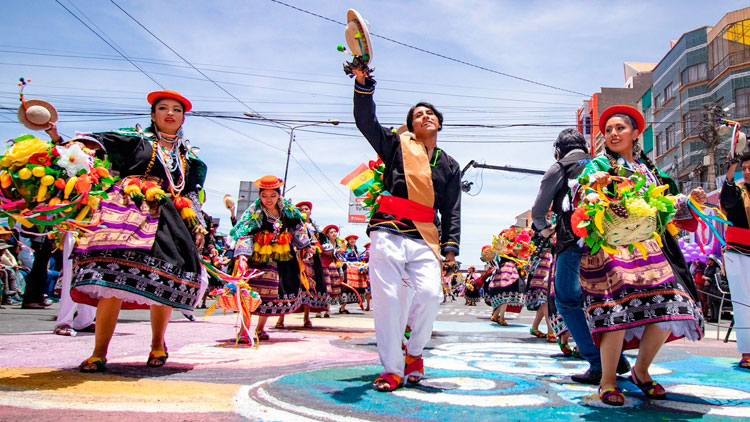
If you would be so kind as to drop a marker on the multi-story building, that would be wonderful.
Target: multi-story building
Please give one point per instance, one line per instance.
(638, 81)
(679, 92)
(707, 68)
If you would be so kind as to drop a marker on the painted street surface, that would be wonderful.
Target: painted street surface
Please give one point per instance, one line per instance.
(475, 370)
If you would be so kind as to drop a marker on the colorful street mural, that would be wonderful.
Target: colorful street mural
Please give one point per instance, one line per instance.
(475, 371)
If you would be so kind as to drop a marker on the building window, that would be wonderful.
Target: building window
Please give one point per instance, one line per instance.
(691, 123)
(660, 144)
(668, 92)
(742, 102)
(658, 101)
(587, 125)
(669, 135)
(729, 48)
(694, 73)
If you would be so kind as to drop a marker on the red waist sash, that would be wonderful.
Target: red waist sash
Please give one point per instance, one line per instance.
(738, 236)
(405, 208)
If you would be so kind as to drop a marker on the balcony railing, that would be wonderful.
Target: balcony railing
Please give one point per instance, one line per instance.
(732, 59)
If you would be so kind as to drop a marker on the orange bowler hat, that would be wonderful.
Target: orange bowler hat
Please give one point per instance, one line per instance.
(269, 182)
(631, 111)
(167, 93)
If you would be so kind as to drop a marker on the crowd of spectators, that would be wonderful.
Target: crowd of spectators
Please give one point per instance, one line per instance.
(24, 283)
(711, 281)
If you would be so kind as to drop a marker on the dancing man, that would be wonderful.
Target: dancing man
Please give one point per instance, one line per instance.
(735, 200)
(406, 234)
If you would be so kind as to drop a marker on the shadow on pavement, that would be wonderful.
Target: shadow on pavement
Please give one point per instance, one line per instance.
(65, 378)
(351, 395)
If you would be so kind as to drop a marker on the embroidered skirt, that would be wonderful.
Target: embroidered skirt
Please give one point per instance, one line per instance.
(628, 292)
(140, 255)
(316, 297)
(536, 293)
(278, 287)
(555, 319)
(504, 289)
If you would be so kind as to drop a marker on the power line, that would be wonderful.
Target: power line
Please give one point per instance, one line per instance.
(180, 56)
(442, 56)
(108, 43)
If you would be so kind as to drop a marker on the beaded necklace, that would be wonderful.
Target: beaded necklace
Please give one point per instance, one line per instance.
(652, 174)
(276, 223)
(174, 187)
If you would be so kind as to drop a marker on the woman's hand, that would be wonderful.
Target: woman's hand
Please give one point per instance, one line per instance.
(699, 195)
(599, 179)
(200, 240)
(52, 132)
(241, 265)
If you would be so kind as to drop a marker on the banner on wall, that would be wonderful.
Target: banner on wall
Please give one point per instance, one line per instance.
(357, 211)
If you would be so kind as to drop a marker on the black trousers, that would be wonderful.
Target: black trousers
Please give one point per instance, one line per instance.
(36, 282)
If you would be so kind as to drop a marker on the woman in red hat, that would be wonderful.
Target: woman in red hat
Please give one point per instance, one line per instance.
(355, 277)
(332, 266)
(632, 301)
(145, 252)
(315, 298)
(269, 236)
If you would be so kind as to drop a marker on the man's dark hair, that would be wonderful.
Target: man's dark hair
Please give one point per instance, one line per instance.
(568, 140)
(410, 115)
(744, 157)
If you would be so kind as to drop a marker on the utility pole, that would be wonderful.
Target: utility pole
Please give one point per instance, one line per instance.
(709, 134)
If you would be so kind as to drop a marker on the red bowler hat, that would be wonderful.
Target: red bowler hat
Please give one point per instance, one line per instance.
(631, 111)
(329, 227)
(168, 93)
(308, 203)
(367, 245)
(269, 182)
(352, 236)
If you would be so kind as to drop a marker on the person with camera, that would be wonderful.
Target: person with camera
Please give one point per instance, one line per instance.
(572, 155)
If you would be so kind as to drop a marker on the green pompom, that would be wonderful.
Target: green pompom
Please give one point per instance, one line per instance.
(340, 47)
(365, 57)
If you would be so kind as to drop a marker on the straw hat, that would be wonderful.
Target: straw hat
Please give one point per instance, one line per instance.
(37, 114)
(229, 201)
(357, 35)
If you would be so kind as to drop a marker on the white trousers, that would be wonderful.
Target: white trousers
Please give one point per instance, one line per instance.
(738, 274)
(405, 284)
(65, 316)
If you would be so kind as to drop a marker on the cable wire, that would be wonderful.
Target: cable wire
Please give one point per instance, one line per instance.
(108, 43)
(442, 56)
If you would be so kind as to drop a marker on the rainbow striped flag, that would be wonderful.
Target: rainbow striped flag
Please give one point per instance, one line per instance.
(359, 180)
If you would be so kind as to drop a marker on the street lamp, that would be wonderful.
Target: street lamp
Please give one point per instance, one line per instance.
(291, 136)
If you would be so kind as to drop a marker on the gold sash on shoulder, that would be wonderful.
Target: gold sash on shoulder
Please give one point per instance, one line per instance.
(418, 174)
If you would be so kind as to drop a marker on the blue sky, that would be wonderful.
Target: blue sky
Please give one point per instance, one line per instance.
(283, 63)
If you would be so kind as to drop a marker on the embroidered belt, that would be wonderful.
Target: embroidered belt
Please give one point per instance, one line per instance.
(405, 208)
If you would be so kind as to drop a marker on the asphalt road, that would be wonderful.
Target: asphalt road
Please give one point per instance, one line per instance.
(475, 370)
